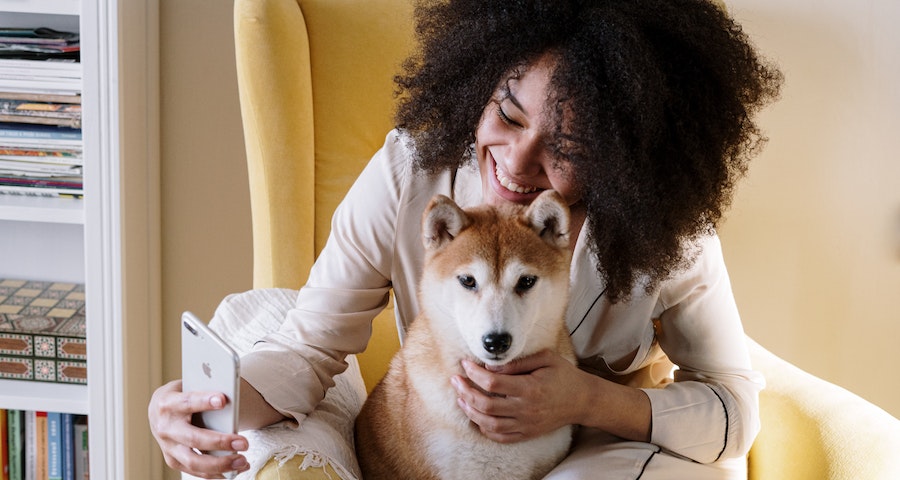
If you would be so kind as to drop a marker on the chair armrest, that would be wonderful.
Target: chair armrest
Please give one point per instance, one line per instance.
(813, 429)
(324, 440)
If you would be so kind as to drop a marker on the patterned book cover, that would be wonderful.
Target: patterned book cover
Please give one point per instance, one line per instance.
(53, 309)
(42, 331)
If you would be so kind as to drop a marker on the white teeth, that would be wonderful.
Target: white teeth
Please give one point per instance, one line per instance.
(511, 186)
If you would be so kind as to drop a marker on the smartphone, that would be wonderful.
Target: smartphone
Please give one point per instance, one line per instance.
(208, 364)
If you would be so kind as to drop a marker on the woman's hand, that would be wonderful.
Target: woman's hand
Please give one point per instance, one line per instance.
(170, 412)
(524, 399)
(535, 395)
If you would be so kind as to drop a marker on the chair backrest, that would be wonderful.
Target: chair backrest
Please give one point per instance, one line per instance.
(316, 90)
(315, 79)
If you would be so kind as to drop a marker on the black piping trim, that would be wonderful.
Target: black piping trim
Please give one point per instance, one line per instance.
(588, 311)
(644, 467)
(727, 422)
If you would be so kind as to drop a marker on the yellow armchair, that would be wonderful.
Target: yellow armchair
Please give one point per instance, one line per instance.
(315, 79)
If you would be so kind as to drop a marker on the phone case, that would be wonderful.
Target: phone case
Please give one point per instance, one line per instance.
(208, 364)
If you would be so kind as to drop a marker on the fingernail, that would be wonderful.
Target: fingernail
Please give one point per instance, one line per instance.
(455, 382)
(216, 401)
(240, 464)
(239, 445)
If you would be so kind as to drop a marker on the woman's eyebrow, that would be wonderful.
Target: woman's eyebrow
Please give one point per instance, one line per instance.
(506, 89)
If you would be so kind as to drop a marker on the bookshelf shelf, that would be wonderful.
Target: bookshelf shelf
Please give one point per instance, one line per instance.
(56, 7)
(42, 209)
(50, 397)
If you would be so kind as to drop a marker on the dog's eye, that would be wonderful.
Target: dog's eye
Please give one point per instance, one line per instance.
(525, 283)
(467, 281)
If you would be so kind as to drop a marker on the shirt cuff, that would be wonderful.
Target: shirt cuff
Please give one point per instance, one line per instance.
(291, 388)
(689, 419)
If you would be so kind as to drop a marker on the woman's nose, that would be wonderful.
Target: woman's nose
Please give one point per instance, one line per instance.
(525, 157)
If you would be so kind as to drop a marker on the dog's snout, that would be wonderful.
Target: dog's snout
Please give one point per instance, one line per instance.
(497, 342)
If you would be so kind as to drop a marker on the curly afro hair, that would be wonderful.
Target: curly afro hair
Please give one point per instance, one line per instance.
(660, 96)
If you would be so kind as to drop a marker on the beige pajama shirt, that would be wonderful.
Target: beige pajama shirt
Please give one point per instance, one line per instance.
(705, 416)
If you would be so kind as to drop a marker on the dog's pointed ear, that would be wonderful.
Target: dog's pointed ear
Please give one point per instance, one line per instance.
(548, 215)
(442, 222)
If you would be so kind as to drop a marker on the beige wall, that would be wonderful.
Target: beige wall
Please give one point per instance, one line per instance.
(812, 241)
(206, 244)
(813, 238)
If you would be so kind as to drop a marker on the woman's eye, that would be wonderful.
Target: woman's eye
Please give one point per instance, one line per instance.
(505, 118)
(525, 283)
(467, 281)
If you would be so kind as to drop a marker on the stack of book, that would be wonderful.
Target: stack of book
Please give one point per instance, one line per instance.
(43, 445)
(42, 331)
(40, 113)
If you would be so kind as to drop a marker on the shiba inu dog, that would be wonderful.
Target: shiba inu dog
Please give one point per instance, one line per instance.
(494, 289)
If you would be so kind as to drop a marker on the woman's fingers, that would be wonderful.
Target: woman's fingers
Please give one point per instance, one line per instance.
(182, 443)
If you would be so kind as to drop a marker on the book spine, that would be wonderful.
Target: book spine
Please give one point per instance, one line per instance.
(82, 460)
(40, 192)
(15, 427)
(40, 441)
(68, 445)
(54, 446)
(4, 446)
(14, 131)
(30, 445)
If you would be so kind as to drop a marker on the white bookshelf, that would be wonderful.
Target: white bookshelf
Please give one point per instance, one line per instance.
(109, 239)
(46, 7)
(51, 397)
(42, 209)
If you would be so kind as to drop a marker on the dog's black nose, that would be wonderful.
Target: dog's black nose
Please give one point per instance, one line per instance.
(497, 342)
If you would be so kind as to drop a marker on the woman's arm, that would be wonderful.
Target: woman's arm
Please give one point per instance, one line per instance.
(711, 411)
(349, 284)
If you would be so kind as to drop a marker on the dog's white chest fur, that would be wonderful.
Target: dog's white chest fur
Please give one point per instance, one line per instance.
(454, 446)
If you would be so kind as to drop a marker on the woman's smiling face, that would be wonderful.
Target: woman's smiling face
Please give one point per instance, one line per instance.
(513, 143)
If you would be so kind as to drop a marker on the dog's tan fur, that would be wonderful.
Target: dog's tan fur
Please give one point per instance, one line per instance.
(410, 426)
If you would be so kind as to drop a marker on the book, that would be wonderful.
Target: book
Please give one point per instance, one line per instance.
(39, 168)
(29, 446)
(40, 192)
(82, 459)
(40, 445)
(67, 432)
(39, 135)
(45, 113)
(40, 52)
(15, 428)
(40, 35)
(40, 97)
(4, 447)
(40, 154)
(54, 446)
(43, 181)
(74, 183)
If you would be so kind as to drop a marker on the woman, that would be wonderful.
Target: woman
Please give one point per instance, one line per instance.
(640, 114)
